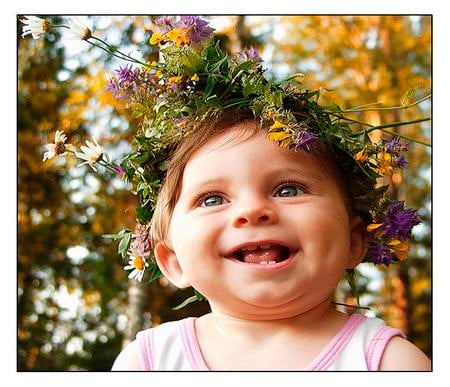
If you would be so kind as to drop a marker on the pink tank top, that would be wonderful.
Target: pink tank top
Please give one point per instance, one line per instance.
(359, 345)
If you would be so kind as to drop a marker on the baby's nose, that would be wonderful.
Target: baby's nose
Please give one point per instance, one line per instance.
(255, 213)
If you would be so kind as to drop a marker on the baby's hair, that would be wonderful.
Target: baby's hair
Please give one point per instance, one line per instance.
(247, 126)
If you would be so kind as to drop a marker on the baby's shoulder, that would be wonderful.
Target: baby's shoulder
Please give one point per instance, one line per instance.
(128, 359)
(398, 353)
(402, 355)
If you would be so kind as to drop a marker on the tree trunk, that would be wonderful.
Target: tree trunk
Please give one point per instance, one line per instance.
(136, 300)
(236, 36)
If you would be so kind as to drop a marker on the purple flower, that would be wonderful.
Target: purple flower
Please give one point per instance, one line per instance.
(398, 221)
(199, 30)
(380, 253)
(141, 240)
(399, 161)
(394, 145)
(120, 171)
(126, 74)
(248, 54)
(165, 23)
(303, 140)
(131, 82)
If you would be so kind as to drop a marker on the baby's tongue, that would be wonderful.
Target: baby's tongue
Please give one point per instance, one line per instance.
(260, 255)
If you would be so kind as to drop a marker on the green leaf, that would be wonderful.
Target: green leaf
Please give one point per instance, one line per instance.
(196, 297)
(211, 82)
(119, 235)
(155, 272)
(351, 279)
(124, 245)
(242, 66)
(214, 101)
(409, 93)
(187, 301)
(137, 113)
(216, 65)
(143, 215)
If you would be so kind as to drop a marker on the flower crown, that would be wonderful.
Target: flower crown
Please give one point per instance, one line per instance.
(195, 80)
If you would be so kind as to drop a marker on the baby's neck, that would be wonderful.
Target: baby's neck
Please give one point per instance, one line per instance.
(256, 328)
(236, 342)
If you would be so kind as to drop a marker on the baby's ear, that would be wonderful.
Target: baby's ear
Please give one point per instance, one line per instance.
(358, 242)
(168, 263)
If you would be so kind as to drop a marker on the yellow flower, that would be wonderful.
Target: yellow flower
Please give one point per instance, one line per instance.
(178, 36)
(361, 156)
(283, 139)
(270, 115)
(157, 38)
(385, 163)
(373, 226)
(399, 249)
(195, 77)
(278, 125)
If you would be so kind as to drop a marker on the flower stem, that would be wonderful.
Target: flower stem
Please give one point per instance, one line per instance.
(350, 306)
(108, 51)
(393, 125)
(340, 117)
(405, 137)
(112, 50)
(357, 109)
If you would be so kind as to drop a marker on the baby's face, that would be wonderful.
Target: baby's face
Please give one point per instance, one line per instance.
(260, 229)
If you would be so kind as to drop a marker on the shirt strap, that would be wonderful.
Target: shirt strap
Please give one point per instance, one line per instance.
(378, 344)
(145, 344)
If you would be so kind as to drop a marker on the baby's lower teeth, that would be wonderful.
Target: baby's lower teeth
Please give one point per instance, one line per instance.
(267, 262)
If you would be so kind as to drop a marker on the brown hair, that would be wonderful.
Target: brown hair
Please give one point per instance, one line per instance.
(205, 132)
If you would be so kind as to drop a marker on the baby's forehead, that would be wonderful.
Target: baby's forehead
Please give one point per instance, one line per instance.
(230, 145)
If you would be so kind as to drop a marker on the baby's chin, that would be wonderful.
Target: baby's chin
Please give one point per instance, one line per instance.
(262, 305)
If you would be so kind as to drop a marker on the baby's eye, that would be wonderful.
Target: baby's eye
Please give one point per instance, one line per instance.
(212, 200)
(289, 190)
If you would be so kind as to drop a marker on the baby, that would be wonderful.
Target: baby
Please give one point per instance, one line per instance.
(268, 199)
(265, 234)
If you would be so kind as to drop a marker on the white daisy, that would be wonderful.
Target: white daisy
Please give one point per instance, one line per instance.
(78, 30)
(58, 147)
(137, 263)
(92, 153)
(35, 26)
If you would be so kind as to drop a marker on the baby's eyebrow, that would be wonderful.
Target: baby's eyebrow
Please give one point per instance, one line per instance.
(212, 182)
(302, 173)
(284, 173)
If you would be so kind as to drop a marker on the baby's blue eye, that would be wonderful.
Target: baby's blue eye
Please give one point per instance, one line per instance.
(213, 200)
(288, 191)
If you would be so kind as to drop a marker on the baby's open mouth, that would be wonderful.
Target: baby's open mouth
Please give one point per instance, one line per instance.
(262, 254)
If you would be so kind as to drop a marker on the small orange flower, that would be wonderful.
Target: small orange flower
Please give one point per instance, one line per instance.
(179, 36)
(157, 38)
(385, 163)
(361, 156)
(278, 125)
(399, 249)
(283, 139)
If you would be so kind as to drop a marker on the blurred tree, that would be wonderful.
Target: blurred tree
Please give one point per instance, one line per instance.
(71, 284)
